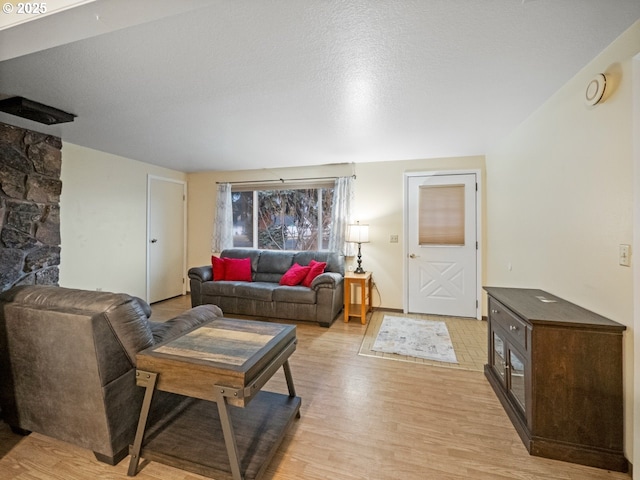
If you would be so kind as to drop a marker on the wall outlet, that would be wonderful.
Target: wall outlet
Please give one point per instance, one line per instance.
(624, 255)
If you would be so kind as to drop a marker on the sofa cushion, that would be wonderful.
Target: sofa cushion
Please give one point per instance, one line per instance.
(315, 269)
(249, 290)
(305, 257)
(250, 253)
(295, 275)
(272, 264)
(262, 291)
(335, 261)
(297, 294)
(221, 288)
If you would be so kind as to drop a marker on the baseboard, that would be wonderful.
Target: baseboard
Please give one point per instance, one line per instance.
(399, 310)
(387, 309)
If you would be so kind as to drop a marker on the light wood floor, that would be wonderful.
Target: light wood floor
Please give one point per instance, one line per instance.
(362, 418)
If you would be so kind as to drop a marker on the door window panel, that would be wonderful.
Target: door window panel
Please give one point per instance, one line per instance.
(441, 215)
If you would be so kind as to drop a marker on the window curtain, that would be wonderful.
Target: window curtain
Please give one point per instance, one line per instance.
(341, 216)
(223, 223)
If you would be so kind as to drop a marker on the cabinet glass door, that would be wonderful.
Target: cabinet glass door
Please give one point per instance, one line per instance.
(516, 378)
(499, 356)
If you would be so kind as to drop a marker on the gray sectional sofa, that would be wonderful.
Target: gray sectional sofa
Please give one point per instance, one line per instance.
(68, 364)
(264, 297)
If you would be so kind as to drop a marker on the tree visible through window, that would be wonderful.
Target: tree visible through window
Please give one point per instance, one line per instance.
(292, 219)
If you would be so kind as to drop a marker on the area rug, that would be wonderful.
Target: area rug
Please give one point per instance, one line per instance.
(426, 339)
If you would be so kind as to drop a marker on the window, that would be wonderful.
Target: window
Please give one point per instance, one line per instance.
(441, 217)
(292, 219)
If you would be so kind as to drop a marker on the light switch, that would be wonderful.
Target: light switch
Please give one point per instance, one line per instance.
(393, 239)
(625, 255)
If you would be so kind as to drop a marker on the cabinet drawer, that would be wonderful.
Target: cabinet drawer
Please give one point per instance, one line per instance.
(516, 328)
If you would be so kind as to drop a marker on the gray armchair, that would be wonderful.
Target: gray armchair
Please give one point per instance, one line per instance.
(67, 363)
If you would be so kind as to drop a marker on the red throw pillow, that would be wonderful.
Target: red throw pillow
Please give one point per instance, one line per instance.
(219, 271)
(238, 269)
(294, 275)
(315, 269)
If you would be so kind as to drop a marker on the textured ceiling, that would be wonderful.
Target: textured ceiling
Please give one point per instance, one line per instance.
(229, 85)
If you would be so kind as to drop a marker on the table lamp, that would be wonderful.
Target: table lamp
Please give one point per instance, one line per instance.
(359, 234)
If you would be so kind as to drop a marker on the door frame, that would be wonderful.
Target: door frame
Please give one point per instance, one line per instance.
(405, 244)
(150, 178)
(635, 426)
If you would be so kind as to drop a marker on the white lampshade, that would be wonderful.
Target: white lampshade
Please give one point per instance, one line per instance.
(357, 233)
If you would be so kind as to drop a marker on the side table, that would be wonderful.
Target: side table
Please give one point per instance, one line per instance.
(224, 362)
(365, 282)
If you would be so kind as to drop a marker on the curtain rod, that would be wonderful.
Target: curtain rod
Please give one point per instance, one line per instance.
(282, 180)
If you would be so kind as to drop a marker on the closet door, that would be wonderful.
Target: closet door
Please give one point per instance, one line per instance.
(166, 238)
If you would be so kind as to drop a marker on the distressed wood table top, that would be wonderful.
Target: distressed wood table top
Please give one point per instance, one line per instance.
(227, 352)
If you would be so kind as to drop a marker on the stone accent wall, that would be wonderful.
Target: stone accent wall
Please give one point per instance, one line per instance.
(30, 188)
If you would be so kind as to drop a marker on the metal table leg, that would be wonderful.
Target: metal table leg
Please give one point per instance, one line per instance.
(147, 380)
(289, 377)
(228, 433)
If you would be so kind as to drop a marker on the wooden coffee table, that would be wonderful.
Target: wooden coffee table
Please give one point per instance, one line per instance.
(226, 363)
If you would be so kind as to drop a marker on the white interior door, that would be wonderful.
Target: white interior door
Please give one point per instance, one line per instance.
(166, 239)
(441, 244)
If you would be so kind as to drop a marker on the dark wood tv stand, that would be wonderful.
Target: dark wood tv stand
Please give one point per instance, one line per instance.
(557, 370)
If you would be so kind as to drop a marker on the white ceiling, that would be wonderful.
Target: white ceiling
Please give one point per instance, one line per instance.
(241, 84)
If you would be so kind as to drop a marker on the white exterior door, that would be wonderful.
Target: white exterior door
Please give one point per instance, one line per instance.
(165, 239)
(441, 244)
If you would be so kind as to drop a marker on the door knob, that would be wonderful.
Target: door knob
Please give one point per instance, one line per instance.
(413, 255)
(153, 240)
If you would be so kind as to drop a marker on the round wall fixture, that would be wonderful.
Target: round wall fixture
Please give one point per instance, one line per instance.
(595, 89)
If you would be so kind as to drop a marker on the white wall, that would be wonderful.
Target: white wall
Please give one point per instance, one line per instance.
(103, 220)
(560, 200)
(378, 201)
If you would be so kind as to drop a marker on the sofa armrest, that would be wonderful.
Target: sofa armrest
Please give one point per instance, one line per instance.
(173, 328)
(327, 280)
(204, 274)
